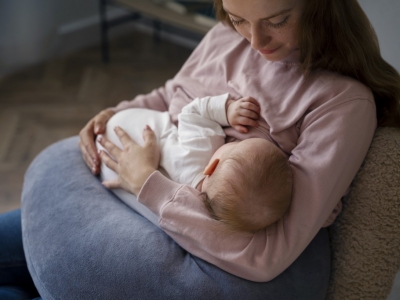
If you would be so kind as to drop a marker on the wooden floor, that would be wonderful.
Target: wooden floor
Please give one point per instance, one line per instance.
(54, 100)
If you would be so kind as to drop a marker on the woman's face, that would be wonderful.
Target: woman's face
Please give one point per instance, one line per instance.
(270, 26)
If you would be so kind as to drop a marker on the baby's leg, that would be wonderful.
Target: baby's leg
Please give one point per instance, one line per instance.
(132, 121)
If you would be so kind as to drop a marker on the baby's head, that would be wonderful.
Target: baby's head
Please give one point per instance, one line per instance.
(249, 185)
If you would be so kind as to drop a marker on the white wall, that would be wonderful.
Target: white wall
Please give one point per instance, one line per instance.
(384, 16)
(30, 29)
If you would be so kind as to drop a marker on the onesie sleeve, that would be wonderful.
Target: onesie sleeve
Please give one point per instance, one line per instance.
(200, 134)
(207, 108)
(331, 147)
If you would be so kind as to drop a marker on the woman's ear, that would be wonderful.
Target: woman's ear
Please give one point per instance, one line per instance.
(212, 165)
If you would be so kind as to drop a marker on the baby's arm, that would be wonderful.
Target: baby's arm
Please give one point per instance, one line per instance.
(199, 135)
(236, 113)
(243, 112)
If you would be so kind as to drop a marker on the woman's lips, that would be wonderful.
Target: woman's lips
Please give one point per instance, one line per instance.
(265, 51)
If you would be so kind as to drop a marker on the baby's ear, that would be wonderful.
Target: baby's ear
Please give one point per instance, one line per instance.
(212, 165)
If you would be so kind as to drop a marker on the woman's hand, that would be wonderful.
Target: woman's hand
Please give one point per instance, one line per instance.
(133, 164)
(243, 112)
(95, 126)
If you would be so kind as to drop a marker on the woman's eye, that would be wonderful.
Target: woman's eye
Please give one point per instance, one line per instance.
(278, 24)
(236, 22)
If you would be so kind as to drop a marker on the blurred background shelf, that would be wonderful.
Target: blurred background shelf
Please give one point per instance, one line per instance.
(194, 16)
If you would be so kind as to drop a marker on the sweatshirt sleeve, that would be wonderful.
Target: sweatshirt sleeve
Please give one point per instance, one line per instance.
(159, 99)
(330, 149)
(185, 86)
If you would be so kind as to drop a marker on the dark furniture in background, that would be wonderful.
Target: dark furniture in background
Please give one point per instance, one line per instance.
(158, 13)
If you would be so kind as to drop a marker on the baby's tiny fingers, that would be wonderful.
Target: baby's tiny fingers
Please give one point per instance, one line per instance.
(249, 114)
(252, 100)
(247, 122)
(250, 106)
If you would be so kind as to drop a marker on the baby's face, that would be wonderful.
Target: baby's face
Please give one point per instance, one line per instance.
(241, 148)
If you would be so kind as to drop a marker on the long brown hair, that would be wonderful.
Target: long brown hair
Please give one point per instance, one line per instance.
(337, 36)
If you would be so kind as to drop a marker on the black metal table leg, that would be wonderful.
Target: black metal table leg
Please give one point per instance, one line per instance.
(104, 32)
(157, 30)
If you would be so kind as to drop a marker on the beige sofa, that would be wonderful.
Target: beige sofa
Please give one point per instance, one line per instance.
(366, 235)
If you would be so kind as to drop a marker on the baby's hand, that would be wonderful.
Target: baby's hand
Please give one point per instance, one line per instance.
(243, 112)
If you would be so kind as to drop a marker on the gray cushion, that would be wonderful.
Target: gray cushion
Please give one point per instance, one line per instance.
(81, 242)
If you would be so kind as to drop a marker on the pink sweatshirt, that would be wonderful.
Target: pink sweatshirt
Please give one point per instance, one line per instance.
(324, 122)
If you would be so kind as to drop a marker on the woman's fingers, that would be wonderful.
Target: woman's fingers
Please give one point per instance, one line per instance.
(101, 120)
(88, 148)
(110, 147)
(123, 136)
(87, 136)
(88, 159)
(108, 161)
(114, 184)
(149, 137)
(151, 146)
(133, 164)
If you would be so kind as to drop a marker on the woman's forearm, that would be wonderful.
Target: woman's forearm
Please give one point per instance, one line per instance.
(323, 167)
(183, 216)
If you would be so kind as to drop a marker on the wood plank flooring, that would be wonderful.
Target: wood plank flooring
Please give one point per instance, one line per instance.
(54, 100)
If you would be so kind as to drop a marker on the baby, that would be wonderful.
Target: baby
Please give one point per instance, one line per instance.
(246, 184)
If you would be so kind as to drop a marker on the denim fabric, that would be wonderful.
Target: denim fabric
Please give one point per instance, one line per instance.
(15, 281)
(82, 242)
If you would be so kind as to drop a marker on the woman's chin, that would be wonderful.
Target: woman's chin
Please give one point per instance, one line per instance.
(292, 56)
(270, 57)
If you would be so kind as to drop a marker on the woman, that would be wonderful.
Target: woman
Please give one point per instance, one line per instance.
(314, 66)
(311, 107)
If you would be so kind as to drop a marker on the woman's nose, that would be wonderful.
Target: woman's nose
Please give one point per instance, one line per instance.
(259, 37)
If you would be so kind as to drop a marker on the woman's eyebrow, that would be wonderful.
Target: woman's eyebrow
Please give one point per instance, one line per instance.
(267, 18)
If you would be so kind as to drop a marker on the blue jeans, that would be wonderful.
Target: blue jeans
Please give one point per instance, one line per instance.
(15, 280)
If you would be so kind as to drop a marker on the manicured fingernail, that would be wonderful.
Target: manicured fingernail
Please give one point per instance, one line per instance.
(117, 128)
(100, 139)
(147, 127)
